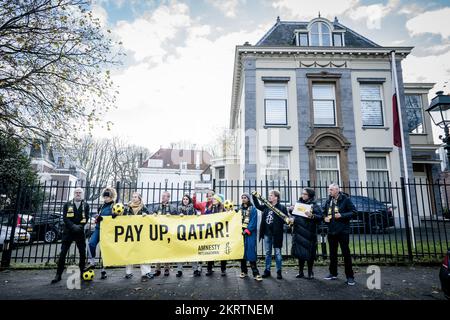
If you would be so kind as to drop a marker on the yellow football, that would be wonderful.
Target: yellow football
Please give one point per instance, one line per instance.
(118, 209)
(88, 275)
(228, 205)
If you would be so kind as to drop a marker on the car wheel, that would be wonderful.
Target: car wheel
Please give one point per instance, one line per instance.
(50, 236)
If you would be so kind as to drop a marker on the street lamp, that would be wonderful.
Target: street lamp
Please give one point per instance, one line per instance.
(439, 111)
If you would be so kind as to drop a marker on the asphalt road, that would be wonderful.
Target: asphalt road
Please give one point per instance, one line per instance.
(397, 283)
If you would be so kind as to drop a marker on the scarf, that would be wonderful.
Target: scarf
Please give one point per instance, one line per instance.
(135, 207)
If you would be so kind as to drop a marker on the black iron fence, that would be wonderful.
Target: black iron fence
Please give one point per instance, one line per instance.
(394, 222)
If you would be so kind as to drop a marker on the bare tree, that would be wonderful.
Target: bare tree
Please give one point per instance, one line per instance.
(224, 144)
(107, 161)
(53, 59)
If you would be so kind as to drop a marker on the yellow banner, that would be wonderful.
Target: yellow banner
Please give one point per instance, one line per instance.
(160, 238)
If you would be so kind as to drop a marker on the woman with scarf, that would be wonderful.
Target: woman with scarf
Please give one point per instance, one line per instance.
(249, 226)
(186, 207)
(137, 207)
(216, 206)
(304, 236)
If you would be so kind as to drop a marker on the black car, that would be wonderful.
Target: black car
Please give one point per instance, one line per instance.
(372, 216)
(444, 275)
(43, 226)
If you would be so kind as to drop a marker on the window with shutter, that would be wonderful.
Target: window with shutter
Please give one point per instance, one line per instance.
(324, 104)
(377, 177)
(371, 105)
(275, 104)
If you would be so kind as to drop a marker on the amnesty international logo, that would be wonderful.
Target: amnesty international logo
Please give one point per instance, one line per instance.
(227, 248)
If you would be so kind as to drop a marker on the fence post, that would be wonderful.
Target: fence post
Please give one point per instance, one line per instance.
(405, 213)
(214, 185)
(6, 255)
(118, 191)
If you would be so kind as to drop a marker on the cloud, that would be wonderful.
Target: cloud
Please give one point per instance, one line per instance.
(434, 22)
(185, 95)
(147, 35)
(373, 14)
(310, 9)
(433, 68)
(228, 7)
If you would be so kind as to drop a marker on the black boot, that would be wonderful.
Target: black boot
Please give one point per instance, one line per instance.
(279, 276)
(300, 275)
(266, 274)
(57, 279)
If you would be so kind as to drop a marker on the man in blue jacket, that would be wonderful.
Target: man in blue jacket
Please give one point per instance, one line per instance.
(338, 211)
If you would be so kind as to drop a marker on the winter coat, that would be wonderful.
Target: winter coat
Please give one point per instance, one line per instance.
(74, 220)
(304, 235)
(214, 209)
(165, 209)
(346, 208)
(271, 224)
(129, 211)
(201, 206)
(104, 211)
(187, 210)
(250, 240)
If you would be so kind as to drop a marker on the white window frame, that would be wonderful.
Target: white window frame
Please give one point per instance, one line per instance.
(286, 101)
(388, 170)
(380, 86)
(424, 131)
(334, 104)
(327, 154)
(320, 23)
(278, 153)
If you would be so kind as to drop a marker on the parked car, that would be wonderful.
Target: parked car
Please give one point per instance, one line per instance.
(444, 275)
(45, 226)
(372, 216)
(21, 236)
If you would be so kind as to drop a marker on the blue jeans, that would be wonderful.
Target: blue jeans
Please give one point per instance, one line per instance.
(268, 242)
(93, 242)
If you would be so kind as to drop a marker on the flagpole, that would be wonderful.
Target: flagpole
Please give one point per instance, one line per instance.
(405, 167)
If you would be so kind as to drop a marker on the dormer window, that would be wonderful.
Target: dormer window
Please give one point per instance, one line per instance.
(303, 39)
(337, 40)
(320, 34)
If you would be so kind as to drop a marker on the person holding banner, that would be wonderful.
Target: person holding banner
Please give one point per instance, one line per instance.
(338, 211)
(216, 206)
(164, 208)
(249, 229)
(75, 216)
(187, 208)
(306, 215)
(137, 207)
(272, 230)
(109, 195)
(201, 206)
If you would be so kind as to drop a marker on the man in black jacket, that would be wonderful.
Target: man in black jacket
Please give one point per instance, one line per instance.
(271, 230)
(338, 211)
(75, 216)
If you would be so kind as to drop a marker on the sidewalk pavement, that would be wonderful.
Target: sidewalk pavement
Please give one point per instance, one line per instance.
(397, 283)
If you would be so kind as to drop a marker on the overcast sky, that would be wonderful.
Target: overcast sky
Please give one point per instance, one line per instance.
(175, 83)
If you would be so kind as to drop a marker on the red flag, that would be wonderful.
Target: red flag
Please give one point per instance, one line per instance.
(397, 132)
